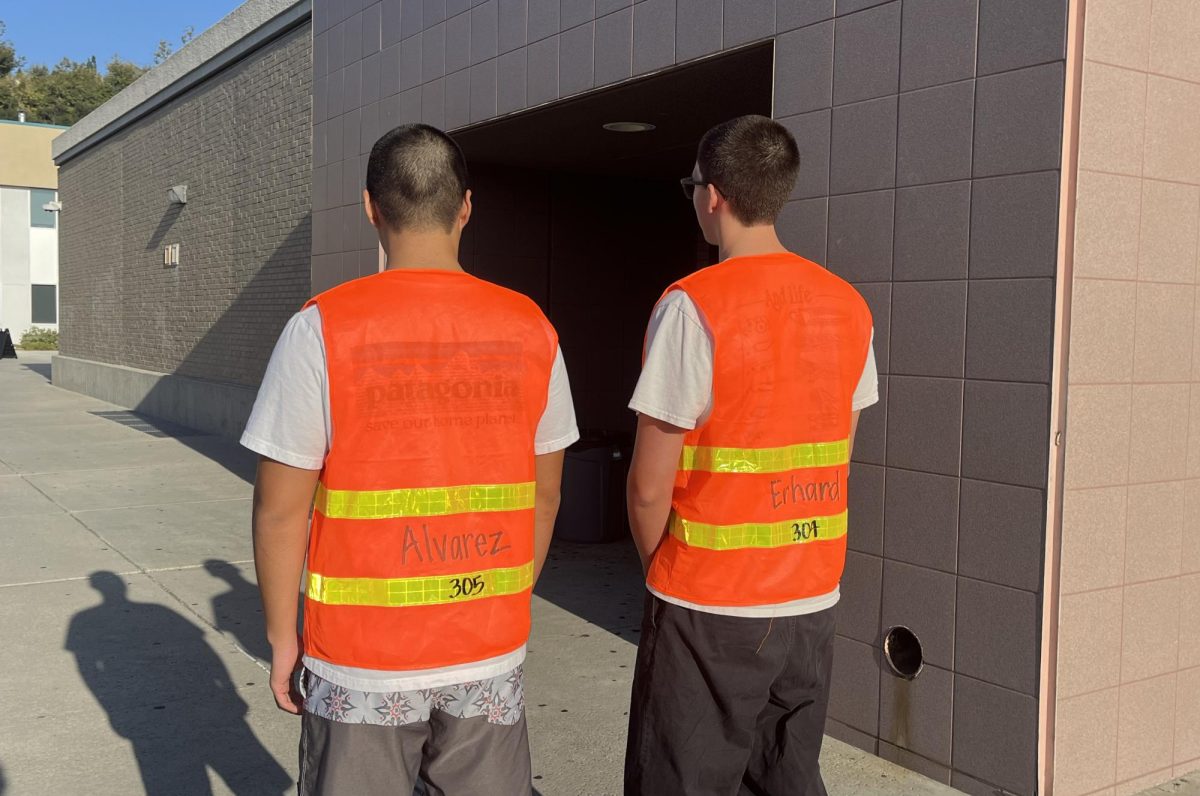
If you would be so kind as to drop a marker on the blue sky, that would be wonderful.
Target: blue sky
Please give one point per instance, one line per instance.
(45, 32)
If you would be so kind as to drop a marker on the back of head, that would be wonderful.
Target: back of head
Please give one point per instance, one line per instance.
(417, 177)
(753, 161)
(107, 583)
(221, 569)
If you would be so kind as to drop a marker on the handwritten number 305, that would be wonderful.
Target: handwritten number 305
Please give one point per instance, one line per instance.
(466, 587)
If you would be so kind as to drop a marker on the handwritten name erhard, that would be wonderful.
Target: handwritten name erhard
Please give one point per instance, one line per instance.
(424, 546)
(797, 490)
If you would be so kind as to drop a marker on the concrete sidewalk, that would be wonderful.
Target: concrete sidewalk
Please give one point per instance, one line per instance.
(133, 640)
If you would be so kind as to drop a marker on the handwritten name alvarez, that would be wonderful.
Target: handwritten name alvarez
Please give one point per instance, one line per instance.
(424, 546)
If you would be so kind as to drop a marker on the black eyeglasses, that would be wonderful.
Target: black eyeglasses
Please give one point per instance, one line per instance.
(689, 185)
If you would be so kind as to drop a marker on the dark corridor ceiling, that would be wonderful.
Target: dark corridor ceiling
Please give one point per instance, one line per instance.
(682, 103)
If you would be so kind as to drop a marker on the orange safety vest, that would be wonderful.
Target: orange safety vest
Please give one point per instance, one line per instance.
(421, 549)
(759, 508)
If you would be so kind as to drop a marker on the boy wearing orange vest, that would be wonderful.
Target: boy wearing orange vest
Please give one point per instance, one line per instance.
(421, 414)
(755, 370)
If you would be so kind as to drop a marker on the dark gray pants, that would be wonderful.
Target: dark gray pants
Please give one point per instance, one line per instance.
(454, 757)
(726, 705)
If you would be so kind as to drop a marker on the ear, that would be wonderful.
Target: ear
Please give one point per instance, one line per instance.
(715, 199)
(369, 207)
(464, 213)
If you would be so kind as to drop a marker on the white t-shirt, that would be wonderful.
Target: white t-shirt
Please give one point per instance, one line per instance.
(290, 423)
(676, 387)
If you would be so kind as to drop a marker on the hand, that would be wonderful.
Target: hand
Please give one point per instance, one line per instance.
(285, 661)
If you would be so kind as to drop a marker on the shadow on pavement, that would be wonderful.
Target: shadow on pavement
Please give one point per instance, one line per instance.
(600, 583)
(3, 782)
(167, 692)
(239, 611)
(40, 368)
(227, 453)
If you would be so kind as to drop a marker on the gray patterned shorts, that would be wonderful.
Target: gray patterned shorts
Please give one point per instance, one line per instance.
(500, 699)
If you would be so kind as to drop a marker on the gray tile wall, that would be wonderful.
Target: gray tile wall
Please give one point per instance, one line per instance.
(930, 133)
(937, 183)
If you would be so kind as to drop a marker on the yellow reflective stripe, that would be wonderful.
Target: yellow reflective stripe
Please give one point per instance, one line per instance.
(765, 460)
(435, 590)
(347, 504)
(758, 534)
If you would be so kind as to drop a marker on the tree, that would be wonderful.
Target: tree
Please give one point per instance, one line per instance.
(9, 62)
(10, 103)
(164, 51)
(62, 95)
(65, 94)
(119, 74)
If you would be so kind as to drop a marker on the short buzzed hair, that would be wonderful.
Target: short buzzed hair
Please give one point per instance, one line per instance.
(417, 178)
(753, 161)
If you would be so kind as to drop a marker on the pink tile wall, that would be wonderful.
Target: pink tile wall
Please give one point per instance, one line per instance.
(1128, 686)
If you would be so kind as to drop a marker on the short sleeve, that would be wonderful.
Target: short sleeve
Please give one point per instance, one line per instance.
(676, 382)
(557, 429)
(867, 392)
(290, 420)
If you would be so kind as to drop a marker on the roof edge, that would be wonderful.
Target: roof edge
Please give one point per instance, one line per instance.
(34, 124)
(247, 28)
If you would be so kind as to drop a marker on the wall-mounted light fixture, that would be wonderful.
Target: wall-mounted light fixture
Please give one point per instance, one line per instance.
(177, 195)
(628, 127)
(53, 207)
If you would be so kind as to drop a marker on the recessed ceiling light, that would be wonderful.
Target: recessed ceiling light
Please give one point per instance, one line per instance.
(629, 127)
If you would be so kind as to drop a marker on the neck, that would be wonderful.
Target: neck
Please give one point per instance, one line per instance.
(750, 241)
(436, 251)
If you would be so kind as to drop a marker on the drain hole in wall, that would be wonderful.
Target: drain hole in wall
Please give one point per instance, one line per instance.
(902, 651)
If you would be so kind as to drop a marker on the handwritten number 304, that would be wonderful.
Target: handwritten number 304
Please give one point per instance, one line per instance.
(803, 531)
(466, 587)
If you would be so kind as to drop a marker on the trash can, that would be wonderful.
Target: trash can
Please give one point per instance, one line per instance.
(593, 489)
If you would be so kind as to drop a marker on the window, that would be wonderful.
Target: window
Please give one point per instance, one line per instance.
(45, 304)
(38, 216)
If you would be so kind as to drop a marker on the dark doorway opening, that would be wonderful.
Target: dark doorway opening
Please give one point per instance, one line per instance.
(593, 225)
(682, 103)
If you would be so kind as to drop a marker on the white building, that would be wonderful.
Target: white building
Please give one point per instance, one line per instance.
(28, 228)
